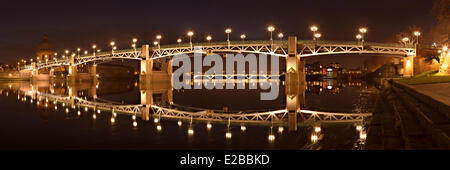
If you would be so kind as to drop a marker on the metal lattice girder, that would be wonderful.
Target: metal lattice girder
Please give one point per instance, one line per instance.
(279, 48)
(276, 50)
(327, 49)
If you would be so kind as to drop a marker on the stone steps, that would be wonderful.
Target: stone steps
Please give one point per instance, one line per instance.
(437, 125)
(413, 133)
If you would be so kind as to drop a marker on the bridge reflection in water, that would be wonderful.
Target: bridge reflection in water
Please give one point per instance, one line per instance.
(159, 102)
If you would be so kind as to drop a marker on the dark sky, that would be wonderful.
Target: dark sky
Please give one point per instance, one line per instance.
(72, 24)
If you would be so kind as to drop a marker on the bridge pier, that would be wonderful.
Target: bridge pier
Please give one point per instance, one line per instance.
(295, 83)
(35, 76)
(154, 91)
(408, 66)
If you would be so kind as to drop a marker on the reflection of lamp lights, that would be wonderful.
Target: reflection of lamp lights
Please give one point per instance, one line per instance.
(156, 120)
(159, 127)
(135, 124)
(314, 138)
(56, 107)
(209, 126)
(85, 109)
(271, 137)
(113, 120)
(79, 113)
(280, 129)
(67, 110)
(190, 131)
(317, 129)
(358, 127)
(243, 128)
(98, 111)
(228, 135)
(94, 116)
(179, 123)
(363, 136)
(133, 117)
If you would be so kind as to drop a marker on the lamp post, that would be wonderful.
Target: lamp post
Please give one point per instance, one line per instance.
(363, 31)
(405, 40)
(243, 36)
(314, 29)
(158, 38)
(155, 43)
(93, 47)
(228, 31)
(317, 36)
(112, 46)
(417, 34)
(358, 37)
(209, 38)
(78, 50)
(271, 29)
(179, 40)
(134, 44)
(280, 36)
(67, 53)
(190, 34)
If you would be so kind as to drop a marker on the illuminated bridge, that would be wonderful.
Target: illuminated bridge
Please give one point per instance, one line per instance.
(304, 48)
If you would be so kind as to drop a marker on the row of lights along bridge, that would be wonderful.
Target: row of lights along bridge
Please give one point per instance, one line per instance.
(314, 29)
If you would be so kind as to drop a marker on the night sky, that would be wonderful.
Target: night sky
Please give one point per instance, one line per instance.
(72, 24)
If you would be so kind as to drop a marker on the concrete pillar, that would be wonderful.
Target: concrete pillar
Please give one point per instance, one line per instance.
(147, 102)
(292, 61)
(146, 63)
(34, 71)
(408, 66)
(292, 83)
(72, 70)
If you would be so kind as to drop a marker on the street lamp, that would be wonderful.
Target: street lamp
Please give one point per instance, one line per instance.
(158, 37)
(358, 37)
(280, 36)
(78, 50)
(112, 46)
(314, 30)
(317, 36)
(209, 38)
(67, 53)
(417, 34)
(363, 31)
(243, 36)
(190, 34)
(85, 52)
(405, 40)
(179, 40)
(155, 43)
(228, 31)
(271, 29)
(93, 47)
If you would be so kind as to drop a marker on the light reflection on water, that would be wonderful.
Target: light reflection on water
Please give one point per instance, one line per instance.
(37, 122)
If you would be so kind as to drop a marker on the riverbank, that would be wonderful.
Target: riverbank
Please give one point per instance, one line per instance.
(411, 117)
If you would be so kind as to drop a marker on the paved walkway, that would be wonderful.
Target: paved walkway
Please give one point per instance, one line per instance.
(438, 91)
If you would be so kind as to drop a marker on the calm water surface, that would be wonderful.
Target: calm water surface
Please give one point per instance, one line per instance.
(25, 124)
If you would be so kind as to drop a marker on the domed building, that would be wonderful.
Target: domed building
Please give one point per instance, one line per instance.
(45, 51)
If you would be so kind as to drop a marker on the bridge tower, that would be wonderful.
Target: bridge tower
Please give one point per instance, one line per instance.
(295, 82)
